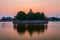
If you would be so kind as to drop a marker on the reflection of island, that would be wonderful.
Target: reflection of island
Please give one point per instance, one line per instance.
(22, 28)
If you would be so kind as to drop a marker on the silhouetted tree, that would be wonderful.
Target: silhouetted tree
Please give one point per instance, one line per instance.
(42, 16)
(21, 15)
(30, 15)
(37, 16)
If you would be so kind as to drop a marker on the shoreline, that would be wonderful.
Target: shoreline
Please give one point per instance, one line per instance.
(31, 21)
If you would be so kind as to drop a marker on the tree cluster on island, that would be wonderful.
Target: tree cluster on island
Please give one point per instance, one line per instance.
(30, 16)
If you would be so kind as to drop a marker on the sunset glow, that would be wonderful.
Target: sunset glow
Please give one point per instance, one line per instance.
(11, 7)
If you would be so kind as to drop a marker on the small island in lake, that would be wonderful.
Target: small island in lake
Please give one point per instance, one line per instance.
(30, 17)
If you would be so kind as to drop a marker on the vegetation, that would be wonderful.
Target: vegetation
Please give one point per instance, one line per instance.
(30, 16)
(21, 15)
(6, 18)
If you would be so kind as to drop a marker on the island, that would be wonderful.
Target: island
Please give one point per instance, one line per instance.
(30, 17)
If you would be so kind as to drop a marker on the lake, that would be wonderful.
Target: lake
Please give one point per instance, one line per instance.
(10, 31)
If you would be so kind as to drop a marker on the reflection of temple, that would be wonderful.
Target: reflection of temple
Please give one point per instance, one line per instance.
(22, 28)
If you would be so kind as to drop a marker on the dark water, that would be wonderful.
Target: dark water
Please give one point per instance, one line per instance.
(10, 31)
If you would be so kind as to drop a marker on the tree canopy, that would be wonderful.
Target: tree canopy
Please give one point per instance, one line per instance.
(30, 16)
(21, 15)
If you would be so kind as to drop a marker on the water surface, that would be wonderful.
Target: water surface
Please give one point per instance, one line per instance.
(50, 31)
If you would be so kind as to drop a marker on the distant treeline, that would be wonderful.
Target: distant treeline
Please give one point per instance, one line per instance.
(53, 19)
(30, 16)
(6, 18)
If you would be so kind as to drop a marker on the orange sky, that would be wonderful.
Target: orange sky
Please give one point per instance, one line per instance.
(11, 7)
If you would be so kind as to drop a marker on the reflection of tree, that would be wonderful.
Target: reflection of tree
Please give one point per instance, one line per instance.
(21, 28)
(36, 27)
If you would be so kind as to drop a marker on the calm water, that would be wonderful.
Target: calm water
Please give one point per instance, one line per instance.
(10, 31)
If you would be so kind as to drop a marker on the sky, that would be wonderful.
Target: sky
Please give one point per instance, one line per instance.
(11, 7)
